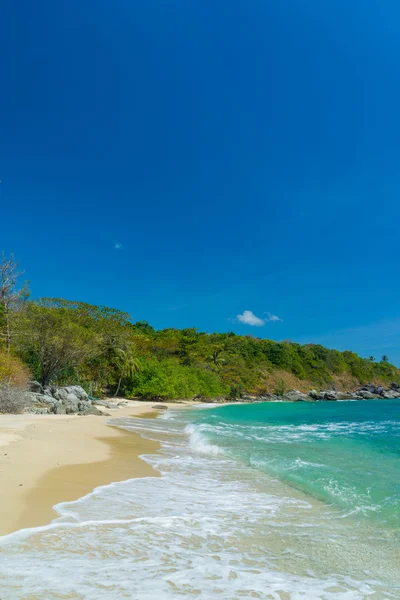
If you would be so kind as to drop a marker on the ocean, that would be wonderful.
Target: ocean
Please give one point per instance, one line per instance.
(281, 501)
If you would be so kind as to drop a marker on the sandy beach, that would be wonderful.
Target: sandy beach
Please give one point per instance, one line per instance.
(47, 459)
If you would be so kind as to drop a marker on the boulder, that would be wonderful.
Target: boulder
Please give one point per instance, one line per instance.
(60, 394)
(58, 408)
(34, 410)
(391, 394)
(295, 396)
(44, 399)
(367, 395)
(30, 398)
(71, 404)
(376, 390)
(328, 395)
(60, 401)
(77, 391)
(35, 386)
(343, 396)
(105, 404)
(88, 409)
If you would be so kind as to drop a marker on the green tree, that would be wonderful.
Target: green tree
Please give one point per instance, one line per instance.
(217, 356)
(126, 364)
(188, 346)
(385, 358)
(51, 342)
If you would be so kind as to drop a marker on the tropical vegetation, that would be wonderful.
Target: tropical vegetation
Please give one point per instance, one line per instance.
(57, 341)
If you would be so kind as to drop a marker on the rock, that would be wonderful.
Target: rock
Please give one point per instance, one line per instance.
(367, 395)
(275, 398)
(44, 399)
(343, 396)
(264, 398)
(295, 396)
(105, 404)
(71, 404)
(370, 388)
(391, 394)
(313, 394)
(58, 408)
(89, 409)
(330, 395)
(162, 406)
(60, 394)
(248, 398)
(34, 410)
(35, 386)
(30, 398)
(123, 403)
(78, 391)
(394, 386)
(59, 401)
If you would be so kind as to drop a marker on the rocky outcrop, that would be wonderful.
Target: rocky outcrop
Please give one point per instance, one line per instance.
(391, 394)
(366, 392)
(59, 400)
(330, 395)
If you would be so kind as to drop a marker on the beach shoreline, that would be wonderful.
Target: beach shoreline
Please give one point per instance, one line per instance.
(49, 459)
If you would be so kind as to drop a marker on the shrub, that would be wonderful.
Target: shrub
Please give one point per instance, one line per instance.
(12, 370)
(235, 391)
(280, 388)
(170, 379)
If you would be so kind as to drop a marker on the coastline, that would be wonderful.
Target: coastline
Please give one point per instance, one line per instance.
(48, 459)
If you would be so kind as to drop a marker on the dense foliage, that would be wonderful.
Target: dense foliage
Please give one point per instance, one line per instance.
(63, 342)
(103, 350)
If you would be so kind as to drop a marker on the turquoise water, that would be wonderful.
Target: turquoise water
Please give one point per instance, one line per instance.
(274, 501)
(346, 454)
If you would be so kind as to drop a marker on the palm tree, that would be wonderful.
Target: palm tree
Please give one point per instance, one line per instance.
(371, 358)
(216, 356)
(384, 358)
(126, 364)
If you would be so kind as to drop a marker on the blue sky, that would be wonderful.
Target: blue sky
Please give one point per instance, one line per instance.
(189, 161)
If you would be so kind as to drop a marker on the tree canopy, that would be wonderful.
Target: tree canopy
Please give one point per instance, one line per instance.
(65, 342)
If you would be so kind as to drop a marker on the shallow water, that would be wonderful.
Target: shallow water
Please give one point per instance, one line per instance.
(261, 501)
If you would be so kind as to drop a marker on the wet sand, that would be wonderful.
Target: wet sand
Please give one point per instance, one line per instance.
(47, 459)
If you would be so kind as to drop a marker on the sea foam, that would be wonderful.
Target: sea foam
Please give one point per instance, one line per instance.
(209, 527)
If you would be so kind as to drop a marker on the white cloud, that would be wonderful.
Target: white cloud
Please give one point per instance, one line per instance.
(118, 246)
(270, 317)
(249, 318)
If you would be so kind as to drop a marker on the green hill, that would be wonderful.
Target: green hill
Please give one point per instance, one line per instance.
(63, 342)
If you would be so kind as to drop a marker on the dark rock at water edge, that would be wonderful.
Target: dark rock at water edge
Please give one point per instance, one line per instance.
(366, 392)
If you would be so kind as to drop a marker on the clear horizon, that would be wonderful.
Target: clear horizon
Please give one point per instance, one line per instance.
(229, 167)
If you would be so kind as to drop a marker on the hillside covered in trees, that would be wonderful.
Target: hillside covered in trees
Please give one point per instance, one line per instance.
(61, 342)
